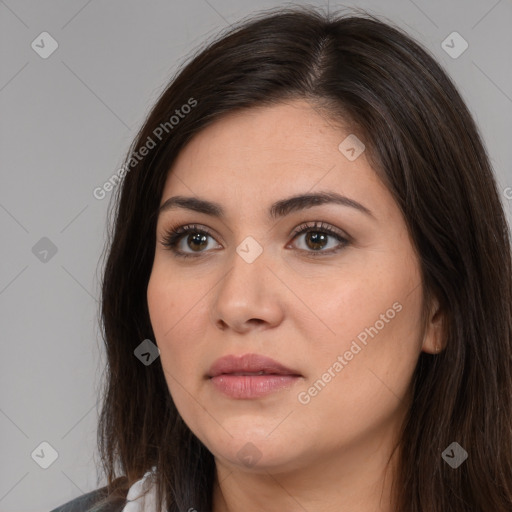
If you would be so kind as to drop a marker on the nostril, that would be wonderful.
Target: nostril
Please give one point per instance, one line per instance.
(222, 325)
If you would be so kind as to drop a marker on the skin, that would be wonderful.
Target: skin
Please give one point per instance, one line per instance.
(303, 311)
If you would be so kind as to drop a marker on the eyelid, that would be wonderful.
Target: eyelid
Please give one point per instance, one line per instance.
(173, 235)
(320, 226)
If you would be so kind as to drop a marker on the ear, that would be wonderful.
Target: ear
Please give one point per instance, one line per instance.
(433, 342)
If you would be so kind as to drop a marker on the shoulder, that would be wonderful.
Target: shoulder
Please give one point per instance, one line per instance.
(85, 502)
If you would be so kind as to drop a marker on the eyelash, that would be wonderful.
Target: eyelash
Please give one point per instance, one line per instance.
(174, 235)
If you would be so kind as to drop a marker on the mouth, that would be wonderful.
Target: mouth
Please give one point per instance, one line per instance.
(250, 376)
(249, 364)
(262, 372)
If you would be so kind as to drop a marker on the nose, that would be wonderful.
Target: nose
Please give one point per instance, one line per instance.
(249, 295)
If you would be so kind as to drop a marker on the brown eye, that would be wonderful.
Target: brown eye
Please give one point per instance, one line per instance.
(187, 241)
(316, 239)
(197, 241)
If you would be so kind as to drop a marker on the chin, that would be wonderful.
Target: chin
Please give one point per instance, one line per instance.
(253, 449)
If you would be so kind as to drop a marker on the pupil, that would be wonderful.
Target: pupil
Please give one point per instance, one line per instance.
(316, 238)
(199, 239)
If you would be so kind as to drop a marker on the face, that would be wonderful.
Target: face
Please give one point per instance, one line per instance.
(329, 290)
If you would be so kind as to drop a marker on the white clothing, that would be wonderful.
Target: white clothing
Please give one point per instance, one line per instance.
(139, 503)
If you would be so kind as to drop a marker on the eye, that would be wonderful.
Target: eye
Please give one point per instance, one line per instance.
(197, 239)
(317, 237)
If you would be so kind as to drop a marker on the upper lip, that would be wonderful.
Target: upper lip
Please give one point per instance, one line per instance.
(248, 363)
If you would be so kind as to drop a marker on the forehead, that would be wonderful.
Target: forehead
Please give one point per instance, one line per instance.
(292, 130)
(266, 153)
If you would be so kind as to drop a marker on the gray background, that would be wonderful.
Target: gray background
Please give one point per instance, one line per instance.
(66, 122)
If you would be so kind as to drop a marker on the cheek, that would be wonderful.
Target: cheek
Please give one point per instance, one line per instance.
(172, 300)
(372, 321)
(172, 315)
(363, 370)
(356, 388)
(174, 310)
(351, 303)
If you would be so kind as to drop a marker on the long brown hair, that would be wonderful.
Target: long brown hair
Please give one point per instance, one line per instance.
(425, 146)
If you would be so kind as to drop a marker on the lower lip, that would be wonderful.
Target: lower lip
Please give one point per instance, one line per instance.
(252, 386)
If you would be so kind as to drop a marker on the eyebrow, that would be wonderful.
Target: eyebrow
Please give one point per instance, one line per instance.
(277, 210)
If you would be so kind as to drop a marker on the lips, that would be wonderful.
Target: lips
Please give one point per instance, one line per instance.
(249, 365)
(251, 377)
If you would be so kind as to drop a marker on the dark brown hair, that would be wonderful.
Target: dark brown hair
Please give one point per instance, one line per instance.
(425, 146)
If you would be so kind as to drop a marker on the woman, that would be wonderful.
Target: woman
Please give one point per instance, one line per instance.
(307, 298)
